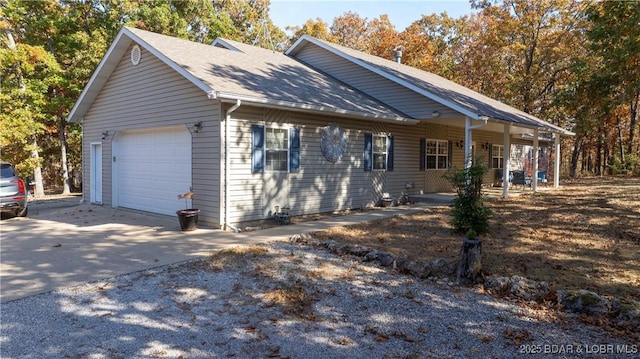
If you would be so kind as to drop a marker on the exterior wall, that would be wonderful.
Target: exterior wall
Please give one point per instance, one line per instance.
(320, 186)
(399, 97)
(152, 95)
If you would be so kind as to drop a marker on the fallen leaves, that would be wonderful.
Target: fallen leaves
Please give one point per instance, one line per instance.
(518, 336)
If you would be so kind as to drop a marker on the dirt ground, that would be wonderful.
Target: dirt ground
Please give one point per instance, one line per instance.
(585, 235)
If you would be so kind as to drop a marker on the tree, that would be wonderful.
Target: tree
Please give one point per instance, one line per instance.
(66, 39)
(434, 42)
(27, 74)
(469, 216)
(349, 30)
(381, 37)
(522, 51)
(615, 38)
(316, 28)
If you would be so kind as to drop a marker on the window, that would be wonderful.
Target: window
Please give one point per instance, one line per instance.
(275, 149)
(497, 156)
(437, 154)
(378, 152)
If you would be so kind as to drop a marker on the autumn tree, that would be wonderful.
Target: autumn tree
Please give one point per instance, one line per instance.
(615, 39)
(316, 28)
(349, 30)
(381, 37)
(433, 43)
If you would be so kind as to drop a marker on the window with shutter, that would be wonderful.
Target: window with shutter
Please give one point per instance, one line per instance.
(275, 149)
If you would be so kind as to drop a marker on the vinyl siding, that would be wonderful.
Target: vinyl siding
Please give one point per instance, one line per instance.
(152, 95)
(320, 186)
(399, 97)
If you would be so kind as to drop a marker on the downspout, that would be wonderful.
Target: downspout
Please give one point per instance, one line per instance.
(468, 138)
(227, 164)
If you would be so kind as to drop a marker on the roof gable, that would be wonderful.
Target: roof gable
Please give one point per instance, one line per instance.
(448, 93)
(247, 73)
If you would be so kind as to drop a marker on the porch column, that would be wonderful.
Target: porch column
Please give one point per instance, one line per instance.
(536, 146)
(507, 155)
(556, 170)
(468, 140)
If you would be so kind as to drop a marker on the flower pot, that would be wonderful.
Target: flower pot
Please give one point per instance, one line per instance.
(387, 202)
(188, 219)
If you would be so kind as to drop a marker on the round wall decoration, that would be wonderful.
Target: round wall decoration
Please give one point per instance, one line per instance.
(333, 142)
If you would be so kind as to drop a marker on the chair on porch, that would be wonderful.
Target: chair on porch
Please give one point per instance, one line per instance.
(519, 178)
(542, 177)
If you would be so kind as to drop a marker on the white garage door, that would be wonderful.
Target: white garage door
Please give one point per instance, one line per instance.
(153, 168)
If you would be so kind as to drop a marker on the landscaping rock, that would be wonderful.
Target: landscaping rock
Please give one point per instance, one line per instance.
(583, 301)
(517, 286)
(353, 249)
(385, 259)
(527, 289)
(627, 312)
(440, 267)
(374, 255)
(331, 245)
(303, 238)
(499, 285)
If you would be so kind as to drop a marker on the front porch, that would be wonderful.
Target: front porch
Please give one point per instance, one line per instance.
(489, 191)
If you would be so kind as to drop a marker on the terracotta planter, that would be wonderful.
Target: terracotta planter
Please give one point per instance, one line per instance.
(188, 219)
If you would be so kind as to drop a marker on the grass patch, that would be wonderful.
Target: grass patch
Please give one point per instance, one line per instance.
(235, 257)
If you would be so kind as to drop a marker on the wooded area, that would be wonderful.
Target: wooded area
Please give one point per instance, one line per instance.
(574, 64)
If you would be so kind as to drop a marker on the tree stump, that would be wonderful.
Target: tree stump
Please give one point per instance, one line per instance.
(470, 265)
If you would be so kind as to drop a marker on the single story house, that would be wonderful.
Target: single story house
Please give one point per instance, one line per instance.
(319, 128)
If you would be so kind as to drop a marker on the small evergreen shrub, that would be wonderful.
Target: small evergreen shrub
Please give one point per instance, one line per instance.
(469, 212)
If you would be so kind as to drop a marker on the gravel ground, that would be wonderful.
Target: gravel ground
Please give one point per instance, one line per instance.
(285, 300)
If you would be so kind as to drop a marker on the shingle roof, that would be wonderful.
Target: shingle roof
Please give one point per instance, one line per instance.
(437, 88)
(253, 74)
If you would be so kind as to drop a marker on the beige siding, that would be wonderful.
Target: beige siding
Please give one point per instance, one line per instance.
(320, 186)
(403, 99)
(152, 95)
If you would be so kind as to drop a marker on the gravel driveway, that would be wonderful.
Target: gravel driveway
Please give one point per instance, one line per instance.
(284, 300)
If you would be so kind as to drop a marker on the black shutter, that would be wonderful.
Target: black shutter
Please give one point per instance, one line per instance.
(389, 153)
(423, 154)
(257, 144)
(450, 154)
(368, 151)
(294, 149)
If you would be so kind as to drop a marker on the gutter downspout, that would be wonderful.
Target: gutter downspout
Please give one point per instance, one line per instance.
(468, 138)
(227, 164)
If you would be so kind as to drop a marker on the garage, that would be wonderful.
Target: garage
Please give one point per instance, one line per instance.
(151, 168)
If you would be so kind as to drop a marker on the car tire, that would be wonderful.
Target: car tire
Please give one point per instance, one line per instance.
(23, 212)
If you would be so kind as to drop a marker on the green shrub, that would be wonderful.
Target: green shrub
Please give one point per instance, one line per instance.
(630, 166)
(469, 212)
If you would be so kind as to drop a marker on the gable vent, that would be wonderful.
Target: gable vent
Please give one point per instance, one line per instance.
(135, 55)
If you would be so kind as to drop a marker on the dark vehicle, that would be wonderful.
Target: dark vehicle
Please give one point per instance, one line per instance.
(13, 191)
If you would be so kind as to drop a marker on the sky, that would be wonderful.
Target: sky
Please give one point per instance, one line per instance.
(401, 13)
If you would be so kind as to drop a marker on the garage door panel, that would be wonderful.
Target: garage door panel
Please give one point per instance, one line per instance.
(153, 168)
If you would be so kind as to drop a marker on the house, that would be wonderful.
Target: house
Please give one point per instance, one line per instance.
(319, 128)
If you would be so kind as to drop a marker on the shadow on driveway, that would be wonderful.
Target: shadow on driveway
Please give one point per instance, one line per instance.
(63, 243)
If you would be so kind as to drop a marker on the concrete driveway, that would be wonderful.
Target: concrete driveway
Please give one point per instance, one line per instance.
(63, 243)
